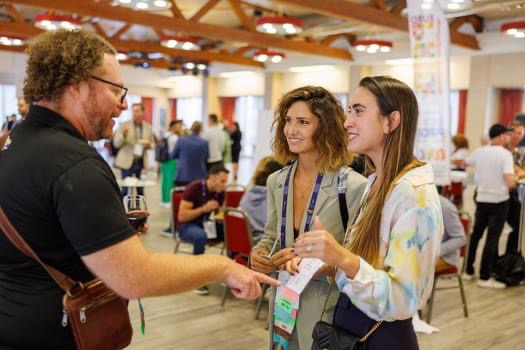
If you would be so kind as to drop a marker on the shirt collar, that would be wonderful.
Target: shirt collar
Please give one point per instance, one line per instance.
(43, 115)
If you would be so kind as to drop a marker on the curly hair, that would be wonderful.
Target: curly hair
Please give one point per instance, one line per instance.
(60, 58)
(330, 137)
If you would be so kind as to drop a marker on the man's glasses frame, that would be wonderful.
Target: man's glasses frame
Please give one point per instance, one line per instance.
(112, 84)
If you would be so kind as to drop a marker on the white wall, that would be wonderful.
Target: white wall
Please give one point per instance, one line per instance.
(247, 84)
(335, 80)
(459, 72)
(184, 86)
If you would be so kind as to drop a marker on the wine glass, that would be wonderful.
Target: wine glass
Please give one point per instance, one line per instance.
(136, 210)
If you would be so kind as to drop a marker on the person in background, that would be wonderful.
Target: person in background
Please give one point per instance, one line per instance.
(216, 141)
(386, 270)
(236, 137)
(494, 177)
(133, 138)
(309, 132)
(168, 166)
(201, 199)
(253, 202)
(227, 153)
(69, 208)
(191, 153)
(453, 238)
(460, 153)
(11, 127)
(513, 215)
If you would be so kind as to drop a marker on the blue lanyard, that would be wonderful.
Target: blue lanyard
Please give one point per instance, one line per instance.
(309, 211)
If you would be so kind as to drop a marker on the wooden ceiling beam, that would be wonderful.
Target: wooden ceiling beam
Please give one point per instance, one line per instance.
(328, 40)
(474, 20)
(247, 23)
(402, 4)
(117, 13)
(378, 4)
(98, 28)
(241, 51)
(352, 11)
(206, 56)
(121, 31)
(258, 7)
(13, 12)
(27, 31)
(204, 10)
(177, 13)
(162, 64)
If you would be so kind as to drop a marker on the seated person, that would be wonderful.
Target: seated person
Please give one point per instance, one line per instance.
(454, 237)
(200, 199)
(253, 202)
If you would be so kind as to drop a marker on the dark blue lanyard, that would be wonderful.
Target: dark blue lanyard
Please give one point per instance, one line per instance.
(309, 211)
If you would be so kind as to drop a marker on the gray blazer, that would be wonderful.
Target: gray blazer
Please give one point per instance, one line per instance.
(327, 208)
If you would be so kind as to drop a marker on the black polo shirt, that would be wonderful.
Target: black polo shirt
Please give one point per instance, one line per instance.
(64, 200)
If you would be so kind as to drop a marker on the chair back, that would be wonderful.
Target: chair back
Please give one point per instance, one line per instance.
(454, 192)
(466, 220)
(176, 197)
(237, 236)
(233, 195)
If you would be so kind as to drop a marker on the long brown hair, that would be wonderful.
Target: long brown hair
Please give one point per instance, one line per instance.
(330, 137)
(398, 158)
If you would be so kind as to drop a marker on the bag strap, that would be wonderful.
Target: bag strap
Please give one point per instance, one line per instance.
(65, 282)
(341, 191)
(341, 194)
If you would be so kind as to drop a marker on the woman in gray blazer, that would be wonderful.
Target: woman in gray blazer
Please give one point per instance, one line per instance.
(310, 134)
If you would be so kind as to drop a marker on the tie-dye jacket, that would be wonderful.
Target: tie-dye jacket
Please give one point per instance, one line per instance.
(411, 231)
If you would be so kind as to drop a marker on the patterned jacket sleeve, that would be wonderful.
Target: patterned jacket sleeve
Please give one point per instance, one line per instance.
(413, 229)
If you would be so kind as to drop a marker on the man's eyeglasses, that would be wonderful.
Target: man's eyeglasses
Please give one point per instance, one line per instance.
(124, 89)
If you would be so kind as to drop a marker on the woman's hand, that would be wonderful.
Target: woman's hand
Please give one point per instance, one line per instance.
(292, 265)
(319, 244)
(282, 256)
(260, 261)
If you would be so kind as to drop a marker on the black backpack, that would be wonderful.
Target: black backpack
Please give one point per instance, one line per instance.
(162, 153)
(510, 269)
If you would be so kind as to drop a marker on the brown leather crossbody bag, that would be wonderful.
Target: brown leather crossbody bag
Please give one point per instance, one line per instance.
(98, 317)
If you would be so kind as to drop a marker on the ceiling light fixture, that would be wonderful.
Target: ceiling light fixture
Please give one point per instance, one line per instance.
(49, 21)
(515, 29)
(179, 42)
(267, 55)
(11, 41)
(144, 5)
(372, 45)
(280, 25)
(121, 56)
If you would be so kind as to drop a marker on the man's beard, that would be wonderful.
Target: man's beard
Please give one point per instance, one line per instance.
(95, 117)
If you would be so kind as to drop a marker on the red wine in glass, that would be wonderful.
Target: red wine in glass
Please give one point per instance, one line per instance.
(136, 210)
(137, 219)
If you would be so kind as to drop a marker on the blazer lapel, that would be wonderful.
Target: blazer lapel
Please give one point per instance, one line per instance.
(328, 185)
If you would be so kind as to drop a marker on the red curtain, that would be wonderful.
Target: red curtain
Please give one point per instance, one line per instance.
(462, 113)
(227, 110)
(147, 102)
(510, 103)
(173, 108)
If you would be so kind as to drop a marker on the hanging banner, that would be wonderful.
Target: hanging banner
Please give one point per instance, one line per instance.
(429, 43)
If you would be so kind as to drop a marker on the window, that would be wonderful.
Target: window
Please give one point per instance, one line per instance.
(343, 100)
(247, 109)
(189, 109)
(8, 101)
